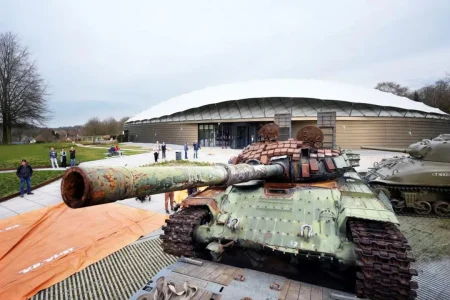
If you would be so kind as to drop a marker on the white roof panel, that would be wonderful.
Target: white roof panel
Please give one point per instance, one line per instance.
(290, 88)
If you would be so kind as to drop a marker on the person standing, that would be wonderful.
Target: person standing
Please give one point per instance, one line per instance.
(196, 146)
(72, 156)
(155, 153)
(24, 172)
(53, 158)
(186, 148)
(63, 158)
(168, 196)
(163, 149)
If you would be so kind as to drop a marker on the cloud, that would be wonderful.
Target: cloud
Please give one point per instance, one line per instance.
(103, 58)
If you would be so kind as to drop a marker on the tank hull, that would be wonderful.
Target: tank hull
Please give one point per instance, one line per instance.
(413, 184)
(327, 222)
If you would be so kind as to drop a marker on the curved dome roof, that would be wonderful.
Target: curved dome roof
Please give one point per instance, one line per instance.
(290, 88)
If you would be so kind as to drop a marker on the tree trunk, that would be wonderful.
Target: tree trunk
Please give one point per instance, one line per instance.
(5, 140)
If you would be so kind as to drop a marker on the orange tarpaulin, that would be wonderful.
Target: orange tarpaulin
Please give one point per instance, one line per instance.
(45, 246)
(181, 195)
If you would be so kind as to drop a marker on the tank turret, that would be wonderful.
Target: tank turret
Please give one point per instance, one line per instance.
(420, 182)
(87, 186)
(277, 204)
(426, 150)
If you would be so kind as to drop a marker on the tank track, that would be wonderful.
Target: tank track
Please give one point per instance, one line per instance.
(383, 263)
(178, 237)
(406, 188)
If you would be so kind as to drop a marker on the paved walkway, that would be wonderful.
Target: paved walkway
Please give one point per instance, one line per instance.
(51, 194)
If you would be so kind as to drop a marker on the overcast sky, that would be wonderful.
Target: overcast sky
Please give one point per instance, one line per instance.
(117, 58)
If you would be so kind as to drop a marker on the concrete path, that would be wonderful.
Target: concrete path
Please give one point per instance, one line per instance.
(50, 194)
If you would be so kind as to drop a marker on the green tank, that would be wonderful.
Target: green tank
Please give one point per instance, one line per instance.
(442, 137)
(278, 202)
(419, 182)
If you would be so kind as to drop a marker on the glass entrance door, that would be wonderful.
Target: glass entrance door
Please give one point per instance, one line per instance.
(242, 138)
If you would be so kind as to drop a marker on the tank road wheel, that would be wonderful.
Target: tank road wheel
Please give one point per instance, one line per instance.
(178, 237)
(384, 265)
(422, 207)
(398, 205)
(442, 208)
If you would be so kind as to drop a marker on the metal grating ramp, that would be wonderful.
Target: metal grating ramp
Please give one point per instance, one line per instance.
(117, 276)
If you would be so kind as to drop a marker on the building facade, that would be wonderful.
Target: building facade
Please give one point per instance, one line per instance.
(231, 115)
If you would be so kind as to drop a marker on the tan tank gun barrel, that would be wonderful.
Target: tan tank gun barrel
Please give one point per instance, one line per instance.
(87, 186)
(386, 149)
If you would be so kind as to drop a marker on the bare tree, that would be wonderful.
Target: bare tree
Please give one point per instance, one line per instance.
(112, 126)
(109, 126)
(394, 88)
(93, 127)
(437, 94)
(22, 90)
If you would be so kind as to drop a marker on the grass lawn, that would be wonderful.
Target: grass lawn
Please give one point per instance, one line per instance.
(11, 183)
(37, 155)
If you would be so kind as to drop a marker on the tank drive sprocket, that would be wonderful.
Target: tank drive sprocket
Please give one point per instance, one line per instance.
(384, 270)
(178, 236)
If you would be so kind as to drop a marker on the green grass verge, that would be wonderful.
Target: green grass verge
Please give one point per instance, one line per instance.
(180, 163)
(107, 146)
(11, 183)
(37, 155)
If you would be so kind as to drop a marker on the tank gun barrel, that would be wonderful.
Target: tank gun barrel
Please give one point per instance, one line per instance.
(386, 149)
(87, 186)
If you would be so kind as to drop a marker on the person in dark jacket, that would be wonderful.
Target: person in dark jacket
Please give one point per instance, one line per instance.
(63, 158)
(186, 148)
(72, 157)
(163, 148)
(196, 146)
(24, 172)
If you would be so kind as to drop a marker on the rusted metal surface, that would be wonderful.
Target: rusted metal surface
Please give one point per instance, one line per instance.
(87, 186)
(269, 131)
(383, 260)
(329, 164)
(311, 136)
(313, 165)
(199, 201)
(331, 184)
(305, 170)
(178, 233)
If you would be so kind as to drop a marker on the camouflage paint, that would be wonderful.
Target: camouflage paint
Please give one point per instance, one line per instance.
(274, 220)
